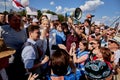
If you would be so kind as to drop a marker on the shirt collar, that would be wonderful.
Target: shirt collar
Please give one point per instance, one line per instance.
(32, 41)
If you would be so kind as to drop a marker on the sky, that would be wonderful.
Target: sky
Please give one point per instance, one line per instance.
(105, 11)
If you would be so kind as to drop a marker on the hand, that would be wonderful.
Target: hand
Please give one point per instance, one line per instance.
(70, 21)
(32, 77)
(73, 46)
(73, 54)
(72, 51)
(46, 59)
(61, 46)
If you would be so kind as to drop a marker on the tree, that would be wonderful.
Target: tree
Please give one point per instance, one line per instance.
(51, 12)
(61, 17)
(5, 12)
(22, 13)
(39, 14)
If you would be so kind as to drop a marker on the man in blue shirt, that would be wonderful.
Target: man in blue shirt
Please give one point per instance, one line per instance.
(14, 37)
(31, 54)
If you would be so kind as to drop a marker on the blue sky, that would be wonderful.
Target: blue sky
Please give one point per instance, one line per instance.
(104, 10)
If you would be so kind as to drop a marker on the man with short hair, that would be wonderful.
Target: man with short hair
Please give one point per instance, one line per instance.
(32, 56)
(114, 45)
(14, 37)
(1, 19)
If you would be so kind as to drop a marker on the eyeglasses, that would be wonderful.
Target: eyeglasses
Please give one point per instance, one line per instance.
(92, 43)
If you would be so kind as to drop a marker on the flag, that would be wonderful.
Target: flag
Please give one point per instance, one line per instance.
(31, 11)
(116, 25)
(17, 4)
(25, 3)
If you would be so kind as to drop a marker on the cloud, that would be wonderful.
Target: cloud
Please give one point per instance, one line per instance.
(61, 10)
(52, 3)
(58, 9)
(70, 10)
(106, 20)
(117, 12)
(44, 9)
(2, 4)
(91, 5)
(105, 17)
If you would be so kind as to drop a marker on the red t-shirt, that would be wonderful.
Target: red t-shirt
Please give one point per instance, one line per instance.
(108, 63)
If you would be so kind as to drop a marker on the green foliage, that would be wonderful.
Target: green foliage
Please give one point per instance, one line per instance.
(5, 12)
(51, 12)
(22, 13)
(61, 17)
(39, 14)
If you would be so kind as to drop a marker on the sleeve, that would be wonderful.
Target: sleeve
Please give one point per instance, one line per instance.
(63, 36)
(1, 31)
(28, 64)
(28, 56)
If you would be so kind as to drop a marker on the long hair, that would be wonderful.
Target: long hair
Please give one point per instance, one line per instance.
(85, 43)
(106, 53)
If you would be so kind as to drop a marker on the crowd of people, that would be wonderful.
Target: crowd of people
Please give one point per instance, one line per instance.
(54, 50)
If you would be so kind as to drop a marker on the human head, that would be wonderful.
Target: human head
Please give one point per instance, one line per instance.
(58, 26)
(14, 20)
(92, 28)
(94, 44)
(83, 45)
(4, 50)
(34, 32)
(97, 70)
(45, 24)
(1, 17)
(65, 27)
(60, 61)
(87, 22)
(24, 19)
(106, 54)
(97, 30)
(43, 17)
(113, 44)
(89, 16)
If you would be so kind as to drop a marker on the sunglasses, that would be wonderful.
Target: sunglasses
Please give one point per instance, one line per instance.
(92, 43)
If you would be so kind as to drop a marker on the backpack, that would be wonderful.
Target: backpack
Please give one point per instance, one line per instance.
(38, 56)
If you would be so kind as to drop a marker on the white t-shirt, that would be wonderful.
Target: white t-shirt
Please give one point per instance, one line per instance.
(117, 56)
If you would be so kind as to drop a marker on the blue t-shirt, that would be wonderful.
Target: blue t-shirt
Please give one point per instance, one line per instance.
(78, 55)
(60, 36)
(70, 75)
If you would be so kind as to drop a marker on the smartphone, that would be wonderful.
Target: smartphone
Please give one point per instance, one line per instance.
(54, 47)
(73, 44)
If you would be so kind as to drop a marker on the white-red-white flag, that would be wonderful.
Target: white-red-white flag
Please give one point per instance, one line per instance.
(25, 3)
(17, 4)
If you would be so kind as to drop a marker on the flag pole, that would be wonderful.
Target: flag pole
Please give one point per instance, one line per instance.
(5, 5)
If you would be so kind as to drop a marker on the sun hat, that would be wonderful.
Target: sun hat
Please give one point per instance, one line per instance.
(116, 40)
(97, 69)
(4, 50)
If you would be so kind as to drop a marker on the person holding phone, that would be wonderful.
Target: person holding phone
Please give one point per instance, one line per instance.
(80, 55)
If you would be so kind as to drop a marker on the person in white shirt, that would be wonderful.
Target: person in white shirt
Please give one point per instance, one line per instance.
(113, 45)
